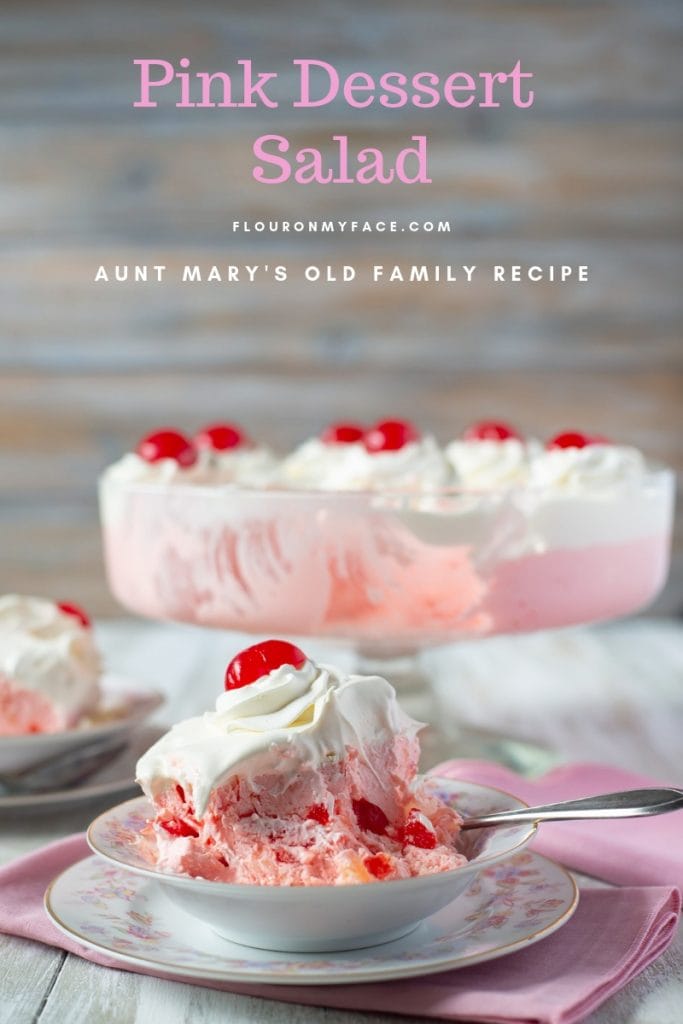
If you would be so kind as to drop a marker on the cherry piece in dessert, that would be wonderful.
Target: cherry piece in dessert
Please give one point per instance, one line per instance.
(221, 437)
(491, 430)
(342, 433)
(260, 659)
(319, 813)
(285, 857)
(415, 833)
(390, 436)
(72, 609)
(167, 444)
(178, 827)
(378, 865)
(370, 817)
(575, 439)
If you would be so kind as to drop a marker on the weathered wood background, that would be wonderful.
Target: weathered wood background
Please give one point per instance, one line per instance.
(590, 175)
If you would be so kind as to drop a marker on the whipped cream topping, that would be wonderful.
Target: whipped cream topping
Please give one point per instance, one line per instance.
(44, 649)
(252, 465)
(316, 464)
(420, 465)
(595, 467)
(132, 468)
(489, 463)
(248, 465)
(288, 718)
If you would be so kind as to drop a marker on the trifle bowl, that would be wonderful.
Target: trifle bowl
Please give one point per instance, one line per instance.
(389, 572)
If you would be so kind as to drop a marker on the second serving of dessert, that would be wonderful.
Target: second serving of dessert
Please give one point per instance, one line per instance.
(50, 667)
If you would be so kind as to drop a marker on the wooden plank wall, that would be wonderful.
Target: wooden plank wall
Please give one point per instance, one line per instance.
(589, 175)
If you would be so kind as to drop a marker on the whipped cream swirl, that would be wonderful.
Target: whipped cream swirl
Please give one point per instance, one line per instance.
(288, 718)
(419, 466)
(253, 465)
(487, 464)
(132, 468)
(47, 650)
(595, 467)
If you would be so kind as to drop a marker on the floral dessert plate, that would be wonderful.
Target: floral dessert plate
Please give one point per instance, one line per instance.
(316, 918)
(507, 906)
(124, 705)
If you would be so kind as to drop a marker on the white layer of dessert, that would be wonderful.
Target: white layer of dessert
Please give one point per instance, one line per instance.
(288, 718)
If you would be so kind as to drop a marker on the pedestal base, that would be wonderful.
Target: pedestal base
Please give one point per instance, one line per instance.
(443, 738)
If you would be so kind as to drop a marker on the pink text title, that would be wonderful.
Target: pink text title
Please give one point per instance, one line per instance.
(319, 84)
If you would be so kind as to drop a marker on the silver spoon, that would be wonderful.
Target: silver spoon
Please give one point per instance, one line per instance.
(632, 803)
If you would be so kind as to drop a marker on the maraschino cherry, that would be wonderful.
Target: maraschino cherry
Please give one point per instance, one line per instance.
(390, 436)
(72, 609)
(379, 865)
(167, 444)
(221, 437)
(342, 433)
(575, 439)
(416, 833)
(257, 661)
(370, 817)
(491, 430)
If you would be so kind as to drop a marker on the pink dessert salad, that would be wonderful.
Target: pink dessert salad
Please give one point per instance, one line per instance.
(381, 535)
(49, 665)
(301, 776)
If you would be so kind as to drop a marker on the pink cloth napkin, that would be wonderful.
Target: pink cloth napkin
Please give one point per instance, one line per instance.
(629, 851)
(612, 937)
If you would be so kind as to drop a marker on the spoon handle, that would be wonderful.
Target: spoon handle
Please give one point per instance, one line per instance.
(632, 803)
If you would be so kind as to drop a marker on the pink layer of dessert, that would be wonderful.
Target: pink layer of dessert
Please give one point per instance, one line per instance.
(367, 579)
(27, 711)
(329, 826)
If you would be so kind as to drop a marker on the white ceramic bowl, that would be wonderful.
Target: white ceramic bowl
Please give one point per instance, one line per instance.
(319, 918)
(124, 705)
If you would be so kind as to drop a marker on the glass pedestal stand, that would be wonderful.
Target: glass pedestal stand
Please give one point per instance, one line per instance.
(444, 737)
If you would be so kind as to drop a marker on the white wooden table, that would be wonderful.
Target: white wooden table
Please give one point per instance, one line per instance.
(613, 693)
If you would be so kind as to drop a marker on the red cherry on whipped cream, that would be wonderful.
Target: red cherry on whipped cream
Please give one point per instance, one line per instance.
(342, 433)
(255, 662)
(390, 436)
(491, 430)
(221, 437)
(75, 611)
(575, 439)
(167, 444)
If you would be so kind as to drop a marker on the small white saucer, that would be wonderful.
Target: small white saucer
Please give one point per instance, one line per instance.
(114, 780)
(508, 906)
